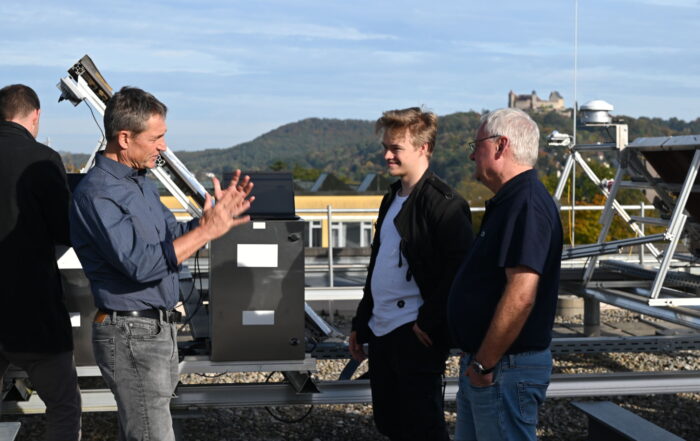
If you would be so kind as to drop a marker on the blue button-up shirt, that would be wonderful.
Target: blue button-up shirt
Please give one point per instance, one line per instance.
(123, 236)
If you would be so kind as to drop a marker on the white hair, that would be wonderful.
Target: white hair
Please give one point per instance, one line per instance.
(519, 128)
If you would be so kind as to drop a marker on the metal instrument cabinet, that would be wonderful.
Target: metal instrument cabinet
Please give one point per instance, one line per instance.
(256, 292)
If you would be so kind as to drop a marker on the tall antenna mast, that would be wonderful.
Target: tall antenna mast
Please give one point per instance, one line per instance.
(575, 65)
(574, 114)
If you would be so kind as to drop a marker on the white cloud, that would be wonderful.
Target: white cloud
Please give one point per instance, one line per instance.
(549, 47)
(670, 3)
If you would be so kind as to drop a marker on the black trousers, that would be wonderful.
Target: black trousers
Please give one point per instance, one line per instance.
(406, 382)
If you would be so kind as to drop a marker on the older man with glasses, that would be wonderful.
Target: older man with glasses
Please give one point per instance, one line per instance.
(502, 303)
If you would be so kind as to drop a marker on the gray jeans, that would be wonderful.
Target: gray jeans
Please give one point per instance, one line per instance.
(55, 380)
(138, 360)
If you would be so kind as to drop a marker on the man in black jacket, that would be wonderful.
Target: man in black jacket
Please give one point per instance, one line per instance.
(423, 233)
(35, 329)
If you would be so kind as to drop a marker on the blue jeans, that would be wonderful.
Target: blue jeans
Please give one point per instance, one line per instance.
(507, 409)
(139, 362)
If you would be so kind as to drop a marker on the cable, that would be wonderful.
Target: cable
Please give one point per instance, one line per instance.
(197, 274)
(95, 119)
(189, 295)
(279, 416)
(211, 376)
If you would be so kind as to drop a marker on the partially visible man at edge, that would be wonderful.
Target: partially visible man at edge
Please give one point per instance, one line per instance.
(131, 247)
(502, 304)
(35, 329)
(422, 234)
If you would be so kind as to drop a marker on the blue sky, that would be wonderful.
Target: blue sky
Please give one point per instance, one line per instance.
(232, 70)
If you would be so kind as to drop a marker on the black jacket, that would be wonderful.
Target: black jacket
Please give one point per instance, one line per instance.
(436, 233)
(34, 200)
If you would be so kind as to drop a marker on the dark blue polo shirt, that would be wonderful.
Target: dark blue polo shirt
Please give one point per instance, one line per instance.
(124, 236)
(521, 226)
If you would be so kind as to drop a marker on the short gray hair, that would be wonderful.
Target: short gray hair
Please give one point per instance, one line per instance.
(519, 128)
(130, 109)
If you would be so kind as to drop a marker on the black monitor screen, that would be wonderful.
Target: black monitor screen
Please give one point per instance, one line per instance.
(274, 195)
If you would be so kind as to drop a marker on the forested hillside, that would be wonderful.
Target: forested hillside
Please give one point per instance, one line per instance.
(350, 148)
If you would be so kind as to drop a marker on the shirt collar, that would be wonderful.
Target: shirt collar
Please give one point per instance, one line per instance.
(513, 185)
(117, 169)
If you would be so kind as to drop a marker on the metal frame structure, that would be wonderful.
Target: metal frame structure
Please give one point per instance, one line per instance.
(193, 397)
(85, 83)
(651, 291)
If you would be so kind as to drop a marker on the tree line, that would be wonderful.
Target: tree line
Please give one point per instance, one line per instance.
(351, 149)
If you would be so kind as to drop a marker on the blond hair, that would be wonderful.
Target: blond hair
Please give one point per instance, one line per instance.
(422, 125)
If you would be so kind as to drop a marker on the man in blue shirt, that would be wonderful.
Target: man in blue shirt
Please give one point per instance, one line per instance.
(502, 302)
(131, 246)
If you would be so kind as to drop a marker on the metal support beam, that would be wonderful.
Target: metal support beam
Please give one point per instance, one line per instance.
(612, 247)
(9, 430)
(628, 301)
(202, 364)
(358, 391)
(597, 345)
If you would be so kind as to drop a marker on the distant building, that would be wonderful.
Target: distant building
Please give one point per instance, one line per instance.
(352, 226)
(531, 102)
(354, 210)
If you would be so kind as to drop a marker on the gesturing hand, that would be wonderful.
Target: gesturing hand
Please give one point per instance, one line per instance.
(245, 185)
(231, 203)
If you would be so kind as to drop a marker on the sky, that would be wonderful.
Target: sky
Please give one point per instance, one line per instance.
(230, 71)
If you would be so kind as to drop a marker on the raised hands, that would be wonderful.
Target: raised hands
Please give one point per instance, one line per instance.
(230, 206)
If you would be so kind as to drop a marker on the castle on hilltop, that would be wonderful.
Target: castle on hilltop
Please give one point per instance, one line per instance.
(531, 102)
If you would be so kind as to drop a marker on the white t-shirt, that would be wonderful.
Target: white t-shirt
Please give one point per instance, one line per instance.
(396, 300)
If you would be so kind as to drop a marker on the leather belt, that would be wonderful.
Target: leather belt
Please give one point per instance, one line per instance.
(156, 314)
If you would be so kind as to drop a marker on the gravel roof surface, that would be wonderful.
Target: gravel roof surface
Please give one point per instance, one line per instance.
(558, 419)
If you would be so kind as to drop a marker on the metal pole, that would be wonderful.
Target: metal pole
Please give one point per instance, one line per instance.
(574, 116)
(329, 213)
(591, 317)
(642, 212)
(573, 205)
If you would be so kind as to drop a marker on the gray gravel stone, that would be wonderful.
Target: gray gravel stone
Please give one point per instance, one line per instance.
(558, 419)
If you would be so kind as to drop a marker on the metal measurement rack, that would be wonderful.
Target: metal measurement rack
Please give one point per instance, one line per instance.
(665, 286)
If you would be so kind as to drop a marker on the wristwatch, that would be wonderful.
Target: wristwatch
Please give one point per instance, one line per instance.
(479, 368)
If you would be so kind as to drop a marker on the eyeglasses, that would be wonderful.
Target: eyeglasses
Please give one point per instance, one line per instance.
(472, 144)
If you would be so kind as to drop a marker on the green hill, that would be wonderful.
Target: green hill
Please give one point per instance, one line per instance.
(340, 146)
(350, 148)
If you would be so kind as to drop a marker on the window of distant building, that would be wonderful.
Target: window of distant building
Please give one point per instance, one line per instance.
(313, 234)
(351, 234)
(366, 234)
(338, 234)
